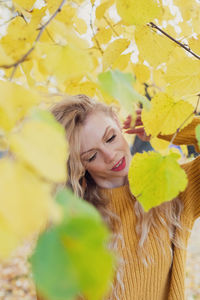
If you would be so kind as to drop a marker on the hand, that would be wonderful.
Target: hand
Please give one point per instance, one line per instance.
(140, 132)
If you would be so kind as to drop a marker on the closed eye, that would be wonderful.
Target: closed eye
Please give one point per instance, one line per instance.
(111, 139)
(92, 158)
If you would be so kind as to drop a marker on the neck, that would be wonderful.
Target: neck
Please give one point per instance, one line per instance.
(112, 183)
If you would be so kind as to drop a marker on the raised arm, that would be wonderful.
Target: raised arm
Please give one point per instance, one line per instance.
(185, 136)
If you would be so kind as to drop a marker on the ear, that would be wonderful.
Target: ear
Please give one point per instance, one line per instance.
(115, 117)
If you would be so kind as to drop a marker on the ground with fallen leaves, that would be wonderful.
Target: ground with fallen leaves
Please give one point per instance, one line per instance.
(16, 281)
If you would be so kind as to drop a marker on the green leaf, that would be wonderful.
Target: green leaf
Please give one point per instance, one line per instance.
(119, 85)
(74, 206)
(197, 131)
(53, 272)
(155, 179)
(46, 116)
(76, 252)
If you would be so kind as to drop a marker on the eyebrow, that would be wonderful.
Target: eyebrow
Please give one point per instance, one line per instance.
(105, 133)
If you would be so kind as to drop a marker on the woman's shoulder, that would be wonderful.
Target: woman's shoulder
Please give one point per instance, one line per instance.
(191, 195)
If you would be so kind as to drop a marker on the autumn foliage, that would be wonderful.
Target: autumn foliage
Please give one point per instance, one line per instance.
(122, 52)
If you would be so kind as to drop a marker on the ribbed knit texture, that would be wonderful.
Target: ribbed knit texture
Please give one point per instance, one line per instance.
(163, 279)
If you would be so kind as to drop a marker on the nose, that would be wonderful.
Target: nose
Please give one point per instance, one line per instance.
(108, 156)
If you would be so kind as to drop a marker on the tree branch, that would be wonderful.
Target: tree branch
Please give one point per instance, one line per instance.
(41, 30)
(187, 48)
(110, 25)
(177, 131)
(92, 28)
(6, 22)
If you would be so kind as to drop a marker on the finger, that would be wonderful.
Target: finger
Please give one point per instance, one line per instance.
(127, 123)
(135, 130)
(138, 111)
(138, 121)
(126, 126)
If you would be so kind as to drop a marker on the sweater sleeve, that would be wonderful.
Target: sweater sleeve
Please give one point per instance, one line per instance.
(191, 196)
(186, 136)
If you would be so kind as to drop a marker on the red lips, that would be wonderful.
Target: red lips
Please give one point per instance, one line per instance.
(121, 166)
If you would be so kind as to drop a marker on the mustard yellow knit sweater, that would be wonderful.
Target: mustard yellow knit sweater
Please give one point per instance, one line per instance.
(163, 279)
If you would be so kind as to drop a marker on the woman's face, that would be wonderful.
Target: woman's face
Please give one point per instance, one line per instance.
(104, 153)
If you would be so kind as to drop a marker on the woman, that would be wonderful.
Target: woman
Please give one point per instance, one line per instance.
(151, 246)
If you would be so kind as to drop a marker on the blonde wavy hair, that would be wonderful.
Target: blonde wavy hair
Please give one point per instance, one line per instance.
(72, 112)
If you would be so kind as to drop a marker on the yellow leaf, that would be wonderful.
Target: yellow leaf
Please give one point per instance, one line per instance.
(4, 58)
(152, 91)
(34, 71)
(24, 205)
(122, 62)
(103, 35)
(36, 16)
(101, 9)
(67, 14)
(52, 5)
(186, 29)
(162, 147)
(19, 75)
(3, 143)
(78, 1)
(14, 103)
(66, 62)
(94, 55)
(27, 5)
(159, 78)
(159, 145)
(166, 115)
(125, 30)
(63, 35)
(43, 147)
(162, 178)
(166, 14)
(141, 72)
(80, 25)
(194, 44)
(153, 47)
(193, 100)
(195, 22)
(139, 87)
(106, 98)
(170, 29)
(187, 8)
(87, 87)
(19, 38)
(138, 12)
(113, 51)
(183, 77)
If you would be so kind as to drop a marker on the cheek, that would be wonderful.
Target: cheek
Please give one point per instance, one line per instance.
(96, 167)
(124, 144)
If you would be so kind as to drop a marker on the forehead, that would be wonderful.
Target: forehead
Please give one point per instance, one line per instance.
(92, 131)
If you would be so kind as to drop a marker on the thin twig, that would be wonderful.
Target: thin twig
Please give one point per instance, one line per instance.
(110, 25)
(41, 30)
(92, 28)
(177, 131)
(13, 73)
(6, 22)
(187, 48)
(49, 35)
